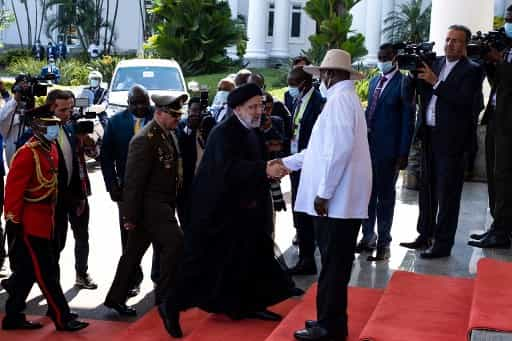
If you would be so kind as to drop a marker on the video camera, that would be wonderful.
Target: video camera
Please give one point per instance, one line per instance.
(81, 118)
(33, 87)
(411, 56)
(481, 43)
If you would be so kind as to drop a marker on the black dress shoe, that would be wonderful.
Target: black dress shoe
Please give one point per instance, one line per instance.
(435, 252)
(479, 236)
(122, 309)
(315, 333)
(73, 326)
(133, 291)
(171, 321)
(303, 268)
(383, 253)
(366, 245)
(492, 241)
(310, 323)
(20, 324)
(265, 315)
(418, 244)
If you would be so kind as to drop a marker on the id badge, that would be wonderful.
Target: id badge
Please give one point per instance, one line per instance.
(294, 146)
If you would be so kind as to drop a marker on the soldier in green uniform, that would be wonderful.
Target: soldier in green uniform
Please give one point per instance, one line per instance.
(153, 174)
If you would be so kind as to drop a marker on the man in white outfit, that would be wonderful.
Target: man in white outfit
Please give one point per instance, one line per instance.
(335, 189)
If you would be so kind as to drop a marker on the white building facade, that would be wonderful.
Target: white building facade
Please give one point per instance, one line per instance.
(279, 29)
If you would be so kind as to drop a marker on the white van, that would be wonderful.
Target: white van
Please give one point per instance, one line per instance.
(158, 76)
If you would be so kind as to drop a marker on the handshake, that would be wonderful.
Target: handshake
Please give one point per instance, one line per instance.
(276, 169)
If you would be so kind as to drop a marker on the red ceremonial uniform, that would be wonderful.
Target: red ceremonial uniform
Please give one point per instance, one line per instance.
(31, 189)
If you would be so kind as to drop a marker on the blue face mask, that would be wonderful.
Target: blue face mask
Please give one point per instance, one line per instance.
(52, 132)
(508, 29)
(385, 67)
(294, 91)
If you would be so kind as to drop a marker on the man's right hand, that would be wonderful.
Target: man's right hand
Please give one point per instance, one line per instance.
(116, 193)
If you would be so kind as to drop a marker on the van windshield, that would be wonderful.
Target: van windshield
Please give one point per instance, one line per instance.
(151, 77)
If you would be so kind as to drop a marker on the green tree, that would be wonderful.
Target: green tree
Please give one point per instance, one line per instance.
(408, 23)
(333, 29)
(195, 33)
(6, 19)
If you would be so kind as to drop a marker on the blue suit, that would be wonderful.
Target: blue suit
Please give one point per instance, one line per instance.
(390, 130)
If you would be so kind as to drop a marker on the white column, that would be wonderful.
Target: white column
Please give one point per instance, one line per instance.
(233, 5)
(255, 29)
(373, 29)
(477, 15)
(499, 7)
(388, 6)
(281, 29)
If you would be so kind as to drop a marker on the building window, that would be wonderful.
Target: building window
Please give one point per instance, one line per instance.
(271, 12)
(296, 18)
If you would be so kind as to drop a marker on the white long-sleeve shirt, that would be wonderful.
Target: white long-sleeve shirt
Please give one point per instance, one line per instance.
(336, 164)
(9, 128)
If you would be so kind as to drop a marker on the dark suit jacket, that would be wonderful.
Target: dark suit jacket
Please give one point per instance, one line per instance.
(313, 110)
(114, 149)
(187, 144)
(392, 123)
(151, 174)
(455, 108)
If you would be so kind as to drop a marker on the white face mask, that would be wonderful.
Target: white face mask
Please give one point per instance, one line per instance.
(323, 89)
(385, 67)
(221, 97)
(52, 132)
(94, 83)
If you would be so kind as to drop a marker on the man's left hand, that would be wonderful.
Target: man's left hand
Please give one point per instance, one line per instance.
(427, 74)
(321, 206)
(401, 163)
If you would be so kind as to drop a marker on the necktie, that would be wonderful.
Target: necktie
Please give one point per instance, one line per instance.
(137, 126)
(375, 97)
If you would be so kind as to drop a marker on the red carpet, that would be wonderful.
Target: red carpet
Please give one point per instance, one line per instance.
(361, 303)
(221, 328)
(151, 328)
(492, 298)
(98, 330)
(421, 308)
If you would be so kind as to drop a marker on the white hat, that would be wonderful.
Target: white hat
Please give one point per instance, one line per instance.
(335, 60)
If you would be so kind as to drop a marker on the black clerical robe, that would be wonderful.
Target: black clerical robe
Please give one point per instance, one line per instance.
(229, 265)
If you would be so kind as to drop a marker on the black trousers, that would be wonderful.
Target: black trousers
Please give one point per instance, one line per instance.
(80, 228)
(489, 163)
(36, 261)
(160, 228)
(3, 234)
(336, 240)
(137, 275)
(441, 182)
(303, 223)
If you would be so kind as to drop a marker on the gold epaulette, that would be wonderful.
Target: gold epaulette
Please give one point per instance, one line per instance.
(10, 217)
(48, 184)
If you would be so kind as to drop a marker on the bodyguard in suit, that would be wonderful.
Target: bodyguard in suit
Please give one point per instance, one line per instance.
(447, 93)
(152, 177)
(307, 107)
(390, 120)
(114, 150)
(497, 143)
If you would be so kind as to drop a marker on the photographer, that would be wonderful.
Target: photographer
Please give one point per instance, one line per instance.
(10, 122)
(447, 92)
(73, 186)
(498, 67)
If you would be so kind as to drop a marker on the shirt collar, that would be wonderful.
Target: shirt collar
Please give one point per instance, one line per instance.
(451, 64)
(339, 86)
(390, 75)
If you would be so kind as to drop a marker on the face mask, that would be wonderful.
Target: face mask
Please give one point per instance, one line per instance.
(294, 91)
(385, 67)
(94, 83)
(323, 89)
(52, 132)
(508, 29)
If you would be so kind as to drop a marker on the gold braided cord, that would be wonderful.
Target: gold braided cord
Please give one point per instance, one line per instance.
(44, 183)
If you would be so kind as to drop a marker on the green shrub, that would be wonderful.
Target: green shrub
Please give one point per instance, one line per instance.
(73, 72)
(106, 65)
(26, 65)
(9, 56)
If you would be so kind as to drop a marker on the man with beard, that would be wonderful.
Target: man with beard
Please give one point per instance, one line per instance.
(229, 264)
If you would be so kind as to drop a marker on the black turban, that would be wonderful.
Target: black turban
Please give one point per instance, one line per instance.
(242, 94)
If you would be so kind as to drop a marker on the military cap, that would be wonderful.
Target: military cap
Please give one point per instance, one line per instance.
(172, 103)
(42, 116)
(242, 94)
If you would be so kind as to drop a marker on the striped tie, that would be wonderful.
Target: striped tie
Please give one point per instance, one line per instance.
(137, 126)
(375, 98)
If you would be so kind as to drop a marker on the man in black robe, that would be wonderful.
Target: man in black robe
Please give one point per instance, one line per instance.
(229, 264)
